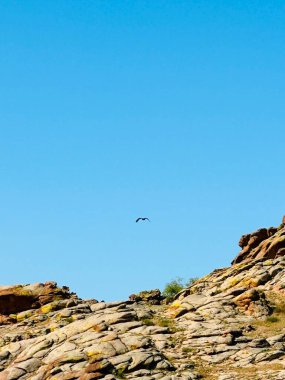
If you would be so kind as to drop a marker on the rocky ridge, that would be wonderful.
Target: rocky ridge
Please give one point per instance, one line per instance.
(228, 325)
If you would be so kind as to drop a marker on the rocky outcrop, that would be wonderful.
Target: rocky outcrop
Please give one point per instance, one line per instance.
(266, 243)
(17, 298)
(235, 316)
(152, 297)
(228, 325)
(86, 340)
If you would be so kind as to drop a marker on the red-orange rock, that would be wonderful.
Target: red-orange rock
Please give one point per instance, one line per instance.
(17, 298)
(262, 244)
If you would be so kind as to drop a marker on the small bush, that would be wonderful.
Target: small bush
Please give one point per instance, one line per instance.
(279, 308)
(173, 287)
(187, 349)
(164, 322)
(147, 321)
(176, 285)
(121, 373)
(272, 319)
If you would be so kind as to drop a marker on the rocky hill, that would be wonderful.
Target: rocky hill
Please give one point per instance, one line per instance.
(228, 325)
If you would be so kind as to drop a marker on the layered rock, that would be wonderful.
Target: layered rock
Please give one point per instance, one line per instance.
(49, 333)
(228, 325)
(153, 297)
(266, 243)
(235, 316)
(16, 298)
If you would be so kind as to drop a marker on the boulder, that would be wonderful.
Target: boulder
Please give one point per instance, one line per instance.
(153, 297)
(18, 298)
(262, 244)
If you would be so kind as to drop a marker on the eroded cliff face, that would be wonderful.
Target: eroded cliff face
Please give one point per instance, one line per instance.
(228, 325)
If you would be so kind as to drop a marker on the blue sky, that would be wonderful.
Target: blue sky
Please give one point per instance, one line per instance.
(112, 110)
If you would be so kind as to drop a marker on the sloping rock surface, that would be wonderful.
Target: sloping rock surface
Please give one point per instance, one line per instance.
(228, 325)
(69, 338)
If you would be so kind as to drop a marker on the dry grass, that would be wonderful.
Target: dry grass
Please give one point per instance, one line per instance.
(277, 302)
(273, 324)
(212, 372)
(259, 368)
(208, 372)
(161, 322)
(164, 322)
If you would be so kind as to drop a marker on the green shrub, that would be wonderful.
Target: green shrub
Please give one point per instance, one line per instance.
(164, 322)
(187, 349)
(279, 308)
(147, 321)
(272, 319)
(175, 286)
(120, 373)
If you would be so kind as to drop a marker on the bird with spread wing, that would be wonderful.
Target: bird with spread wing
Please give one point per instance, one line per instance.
(143, 219)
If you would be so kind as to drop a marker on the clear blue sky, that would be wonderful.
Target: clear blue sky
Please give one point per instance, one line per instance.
(110, 110)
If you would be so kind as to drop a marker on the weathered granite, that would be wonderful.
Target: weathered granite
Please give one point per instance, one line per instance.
(227, 325)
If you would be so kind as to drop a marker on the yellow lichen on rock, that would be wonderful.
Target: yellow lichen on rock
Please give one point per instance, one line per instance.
(47, 308)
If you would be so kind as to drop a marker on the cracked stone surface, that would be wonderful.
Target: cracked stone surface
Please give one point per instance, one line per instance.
(227, 325)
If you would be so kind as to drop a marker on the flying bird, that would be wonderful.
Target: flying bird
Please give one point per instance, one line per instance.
(138, 219)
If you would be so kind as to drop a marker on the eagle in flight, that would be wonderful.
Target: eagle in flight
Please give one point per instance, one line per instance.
(138, 219)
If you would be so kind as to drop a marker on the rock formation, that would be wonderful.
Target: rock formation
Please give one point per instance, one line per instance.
(228, 325)
(153, 297)
(17, 298)
(266, 243)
